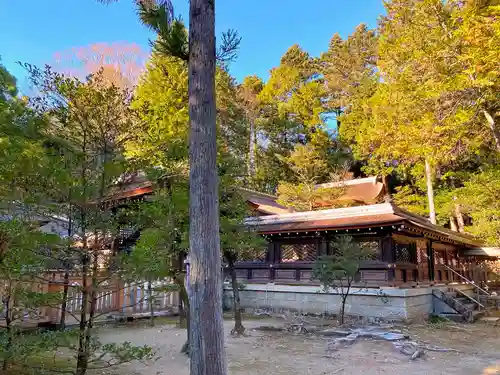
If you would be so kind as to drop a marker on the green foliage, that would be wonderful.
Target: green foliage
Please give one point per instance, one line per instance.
(309, 168)
(427, 96)
(8, 87)
(87, 125)
(22, 262)
(160, 136)
(479, 198)
(160, 102)
(349, 68)
(339, 271)
(163, 221)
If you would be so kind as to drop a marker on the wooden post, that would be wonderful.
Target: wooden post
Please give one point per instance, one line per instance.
(430, 259)
(119, 296)
(387, 255)
(322, 246)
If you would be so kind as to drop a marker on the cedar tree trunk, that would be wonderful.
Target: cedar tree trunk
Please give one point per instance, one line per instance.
(207, 351)
(430, 191)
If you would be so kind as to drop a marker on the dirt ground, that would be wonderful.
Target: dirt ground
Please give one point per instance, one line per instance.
(280, 353)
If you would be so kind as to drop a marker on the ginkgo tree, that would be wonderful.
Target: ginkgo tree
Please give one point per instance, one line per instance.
(409, 118)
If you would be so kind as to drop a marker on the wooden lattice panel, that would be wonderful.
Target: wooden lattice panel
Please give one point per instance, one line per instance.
(405, 253)
(256, 255)
(298, 253)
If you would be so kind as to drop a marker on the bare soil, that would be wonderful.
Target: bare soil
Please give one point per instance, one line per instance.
(281, 353)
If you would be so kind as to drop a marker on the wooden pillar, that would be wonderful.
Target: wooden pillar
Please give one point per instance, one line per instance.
(387, 250)
(387, 255)
(430, 259)
(271, 253)
(274, 257)
(322, 246)
(119, 296)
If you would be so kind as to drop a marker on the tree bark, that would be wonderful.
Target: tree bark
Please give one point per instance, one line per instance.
(64, 304)
(207, 351)
(251, 151)
(238, 329)
(8, 329)
(82, 359)
(460, 218)
(184, 321)
(494, 130)
(430, 191)
(342, 309)
(67, 266)
(453, 224)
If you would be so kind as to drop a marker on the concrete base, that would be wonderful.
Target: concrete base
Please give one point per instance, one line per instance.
(385, 303)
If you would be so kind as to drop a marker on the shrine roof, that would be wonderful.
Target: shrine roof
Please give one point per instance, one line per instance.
(365, 216)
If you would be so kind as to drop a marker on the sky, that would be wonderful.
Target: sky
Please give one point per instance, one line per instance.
(33, 31)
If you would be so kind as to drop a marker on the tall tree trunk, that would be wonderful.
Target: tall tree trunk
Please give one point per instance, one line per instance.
(342, 309)
(238, 329)
(151, 306)
(82, 360)
(92, 297)
(64, 304)
(179, 279)
(430, 191)
(494, 130)
(67, 267)
(251, 151)
(460, 218)
(207, 351)
(453, 224)
(8, 329)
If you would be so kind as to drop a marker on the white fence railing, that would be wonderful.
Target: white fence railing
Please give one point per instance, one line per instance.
(136, 297)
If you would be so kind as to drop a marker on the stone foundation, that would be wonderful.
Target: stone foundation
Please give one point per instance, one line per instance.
(385, 303)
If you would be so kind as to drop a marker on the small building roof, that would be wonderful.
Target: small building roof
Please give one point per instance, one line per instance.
(264, 203)
(363, 190)
(484, 251)
(352, 217)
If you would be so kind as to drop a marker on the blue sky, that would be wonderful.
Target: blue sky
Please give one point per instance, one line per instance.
(33, 31)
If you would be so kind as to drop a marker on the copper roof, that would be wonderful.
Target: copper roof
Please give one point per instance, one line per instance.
(484, 251)
(352, 217)
(338, 223)
(264, 203)
(365, 190)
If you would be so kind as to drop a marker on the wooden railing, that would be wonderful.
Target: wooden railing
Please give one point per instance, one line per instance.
(112, 297)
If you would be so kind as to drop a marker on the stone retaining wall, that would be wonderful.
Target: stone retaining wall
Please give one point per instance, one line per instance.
(386, 303)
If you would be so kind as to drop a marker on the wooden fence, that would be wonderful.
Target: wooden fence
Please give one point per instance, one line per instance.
(112, 297)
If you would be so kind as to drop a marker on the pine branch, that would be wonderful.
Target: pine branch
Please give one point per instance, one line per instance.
(229, 48)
